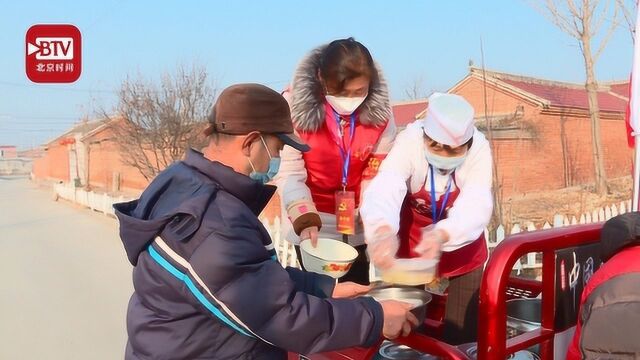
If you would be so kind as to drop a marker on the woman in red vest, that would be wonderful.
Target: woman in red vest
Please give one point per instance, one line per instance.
(340, 107)
(434, 191)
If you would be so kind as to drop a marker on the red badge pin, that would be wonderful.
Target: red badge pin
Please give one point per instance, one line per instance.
(53, 53)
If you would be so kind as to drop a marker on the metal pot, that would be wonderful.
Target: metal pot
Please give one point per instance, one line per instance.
(472, 352)
(419, 298)
(524, 315)
(391, 351)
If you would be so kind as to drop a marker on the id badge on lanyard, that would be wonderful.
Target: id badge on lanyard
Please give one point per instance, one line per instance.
(346, 200)
(435, 215)
(346, 212)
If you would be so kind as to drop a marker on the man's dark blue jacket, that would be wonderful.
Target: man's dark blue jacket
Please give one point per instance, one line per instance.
(207, 281)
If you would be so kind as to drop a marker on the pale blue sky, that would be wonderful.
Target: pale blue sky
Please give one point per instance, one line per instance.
(262, 41)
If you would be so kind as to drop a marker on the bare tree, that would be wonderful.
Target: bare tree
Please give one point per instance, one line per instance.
(568, 157)
(497, 217)
(416, 90)
(155, 123)
(583, 20)
(628, 8)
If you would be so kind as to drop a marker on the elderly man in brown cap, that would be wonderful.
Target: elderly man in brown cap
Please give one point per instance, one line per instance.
(207, 281)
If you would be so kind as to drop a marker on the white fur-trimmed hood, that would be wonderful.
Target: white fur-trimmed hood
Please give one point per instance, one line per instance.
(307, 99)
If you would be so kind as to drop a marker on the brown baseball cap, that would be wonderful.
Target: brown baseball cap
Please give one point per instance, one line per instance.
(243, 108)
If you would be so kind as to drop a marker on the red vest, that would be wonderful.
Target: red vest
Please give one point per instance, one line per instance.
(324, 161)
(624, 262)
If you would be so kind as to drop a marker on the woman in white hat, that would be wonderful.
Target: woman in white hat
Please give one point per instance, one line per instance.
(432, 199)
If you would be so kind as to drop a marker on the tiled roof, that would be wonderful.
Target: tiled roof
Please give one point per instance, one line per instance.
(405, 113)
(611, 96)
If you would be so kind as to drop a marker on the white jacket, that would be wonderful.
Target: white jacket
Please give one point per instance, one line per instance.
(406, 169)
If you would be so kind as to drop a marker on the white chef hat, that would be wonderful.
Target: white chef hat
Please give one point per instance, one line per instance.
(449, 119)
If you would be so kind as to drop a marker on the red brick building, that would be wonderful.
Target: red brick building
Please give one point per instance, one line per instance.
(105, 169)
(542, 130)
(88, 153)
(8, 152)
(64, 157)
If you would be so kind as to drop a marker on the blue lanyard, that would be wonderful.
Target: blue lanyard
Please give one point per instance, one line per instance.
(434, 211)
(346, 153)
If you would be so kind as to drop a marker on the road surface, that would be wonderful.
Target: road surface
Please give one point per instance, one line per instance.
(65, 278)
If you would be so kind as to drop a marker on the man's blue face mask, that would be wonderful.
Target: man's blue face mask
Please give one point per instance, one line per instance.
(274, 166)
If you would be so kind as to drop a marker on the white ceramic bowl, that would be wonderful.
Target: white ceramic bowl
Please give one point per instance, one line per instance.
(330, 257)
(410, 272)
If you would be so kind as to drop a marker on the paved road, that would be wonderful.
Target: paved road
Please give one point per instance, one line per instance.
(65, 280)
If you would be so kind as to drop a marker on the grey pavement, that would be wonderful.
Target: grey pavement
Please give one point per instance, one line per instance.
(65, 280)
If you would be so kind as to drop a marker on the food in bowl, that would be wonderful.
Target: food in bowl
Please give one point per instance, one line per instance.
(336, 267)
(331, 257)
(410, 272)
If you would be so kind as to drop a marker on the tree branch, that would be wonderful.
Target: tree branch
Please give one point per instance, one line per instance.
(159, 121)
(552, 13)
(608, 35)
(628, 16)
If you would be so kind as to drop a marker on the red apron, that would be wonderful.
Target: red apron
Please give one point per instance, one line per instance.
(416, 214)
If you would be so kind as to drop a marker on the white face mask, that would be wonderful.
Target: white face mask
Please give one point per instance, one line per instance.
(443, 163)
(345, 105)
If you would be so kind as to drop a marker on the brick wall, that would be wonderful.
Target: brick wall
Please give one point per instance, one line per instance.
(8, 152)
(560, 154)
(54, 165)
(105, 162)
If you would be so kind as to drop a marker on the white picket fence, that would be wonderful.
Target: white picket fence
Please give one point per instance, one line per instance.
(533, 260)
(100, 202)
(287, 254)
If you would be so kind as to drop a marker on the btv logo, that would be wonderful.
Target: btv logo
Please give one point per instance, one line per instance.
(53, 53)
(51, 48)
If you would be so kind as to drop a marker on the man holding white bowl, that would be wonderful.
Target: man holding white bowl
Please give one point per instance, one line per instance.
(206, 278)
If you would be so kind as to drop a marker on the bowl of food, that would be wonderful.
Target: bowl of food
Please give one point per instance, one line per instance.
(418, 299)
(329, 257)
(410, 272)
